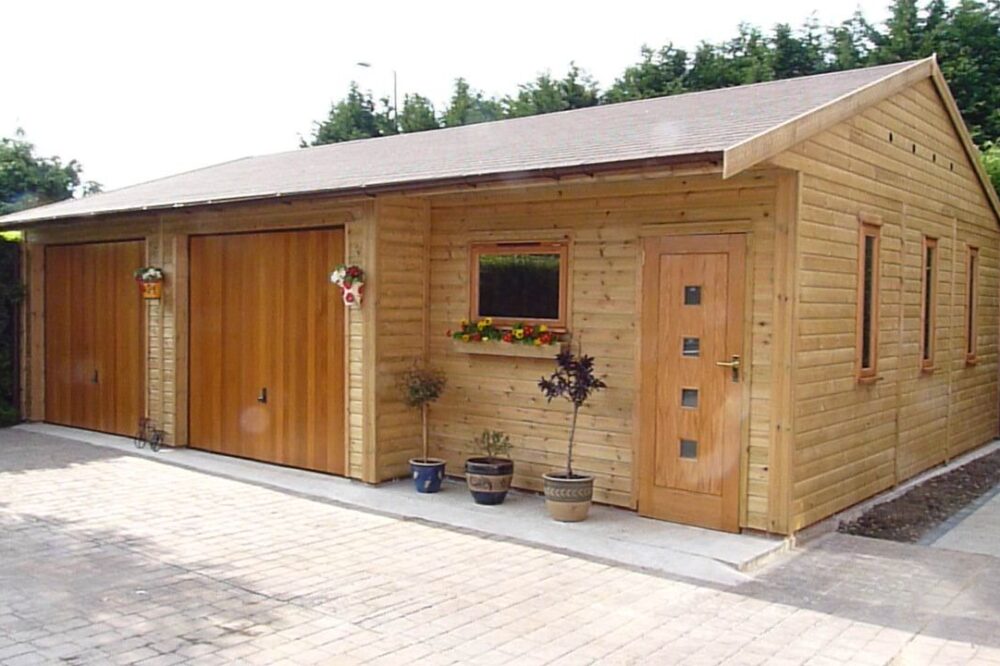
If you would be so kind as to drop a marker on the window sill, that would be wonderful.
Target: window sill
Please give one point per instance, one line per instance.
(491, 348)
(868, 380)
(971, 361)
(927, 370)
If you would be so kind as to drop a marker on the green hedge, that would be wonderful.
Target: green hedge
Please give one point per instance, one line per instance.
(11, 293)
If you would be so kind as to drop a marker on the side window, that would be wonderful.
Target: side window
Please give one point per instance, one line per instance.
(928, 307)
(972, 299)
(869, 241)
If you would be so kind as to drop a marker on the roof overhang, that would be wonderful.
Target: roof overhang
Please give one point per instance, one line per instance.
(707, 162)
(776, 140)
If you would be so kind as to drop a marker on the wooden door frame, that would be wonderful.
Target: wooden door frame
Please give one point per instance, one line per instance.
(738, 232)
(35, 268)
(185, 242)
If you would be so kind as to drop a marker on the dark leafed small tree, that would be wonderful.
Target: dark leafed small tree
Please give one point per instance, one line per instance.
(574, 380)
(27, 180)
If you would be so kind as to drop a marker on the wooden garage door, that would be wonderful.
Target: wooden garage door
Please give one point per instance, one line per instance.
(94, 336)
(267, 347)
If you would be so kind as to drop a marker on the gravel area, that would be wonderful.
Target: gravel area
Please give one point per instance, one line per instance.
(911, 515)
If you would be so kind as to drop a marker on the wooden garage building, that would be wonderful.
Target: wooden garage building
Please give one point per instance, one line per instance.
(835, 235)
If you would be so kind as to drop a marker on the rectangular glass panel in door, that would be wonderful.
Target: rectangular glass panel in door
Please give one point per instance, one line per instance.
(692, 337)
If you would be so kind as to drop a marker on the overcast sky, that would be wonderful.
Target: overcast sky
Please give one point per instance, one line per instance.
(142, 89)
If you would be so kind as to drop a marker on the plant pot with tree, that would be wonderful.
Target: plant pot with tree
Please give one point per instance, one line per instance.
(489, 476)
(420, 387)
(568, 495)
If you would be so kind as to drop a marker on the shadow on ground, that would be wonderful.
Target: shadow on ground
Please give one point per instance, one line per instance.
(913, 588)
(26, 452)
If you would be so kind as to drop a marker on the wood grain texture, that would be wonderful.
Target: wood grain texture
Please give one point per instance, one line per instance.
(94, 337)
(267, 348)
(702, 489)
(604, 224)
(902, 161)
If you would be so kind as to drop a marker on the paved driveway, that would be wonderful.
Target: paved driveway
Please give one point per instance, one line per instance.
(111, 558)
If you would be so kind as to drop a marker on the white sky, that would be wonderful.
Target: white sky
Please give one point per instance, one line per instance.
(142, 89)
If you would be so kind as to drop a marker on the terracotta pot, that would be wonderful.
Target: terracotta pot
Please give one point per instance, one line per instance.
(568, 499)
(151, 290)
(489, 479)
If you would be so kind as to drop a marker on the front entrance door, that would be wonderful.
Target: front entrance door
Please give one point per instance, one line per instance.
(691, 401)
(267, 347)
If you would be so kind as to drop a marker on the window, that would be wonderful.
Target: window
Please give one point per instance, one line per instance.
(972, 296)
(928, 308)
(520, 282)
(868, 297)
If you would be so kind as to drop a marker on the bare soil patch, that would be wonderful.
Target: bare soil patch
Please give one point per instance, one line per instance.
(911, 515)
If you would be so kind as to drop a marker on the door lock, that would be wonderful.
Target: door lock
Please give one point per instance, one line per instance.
(733, 364)
(262, 398)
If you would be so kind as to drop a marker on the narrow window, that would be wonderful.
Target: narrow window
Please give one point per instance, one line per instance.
(520, 282)
(868, 298)
(928, 310)
(972, 297)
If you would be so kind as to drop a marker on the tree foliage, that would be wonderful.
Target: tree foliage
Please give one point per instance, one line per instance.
(28, 180)
(965, 34)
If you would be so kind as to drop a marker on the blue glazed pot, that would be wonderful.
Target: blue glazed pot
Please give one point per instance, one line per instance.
(427, 474)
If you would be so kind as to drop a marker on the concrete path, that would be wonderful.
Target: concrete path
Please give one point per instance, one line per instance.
(610, 534)
(109, 557)
(975, 530)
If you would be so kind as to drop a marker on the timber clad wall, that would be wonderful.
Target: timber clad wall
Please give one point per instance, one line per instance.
(402, 227)
(853, 440)
(604, 223)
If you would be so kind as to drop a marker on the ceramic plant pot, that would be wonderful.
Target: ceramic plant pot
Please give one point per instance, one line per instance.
(427, 474)
(568, 499)
(489, 479)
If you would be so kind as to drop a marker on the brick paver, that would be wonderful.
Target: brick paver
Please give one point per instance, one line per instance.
(107, 558)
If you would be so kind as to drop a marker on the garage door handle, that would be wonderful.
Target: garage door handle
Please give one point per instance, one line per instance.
(262, 398)
(93, 380)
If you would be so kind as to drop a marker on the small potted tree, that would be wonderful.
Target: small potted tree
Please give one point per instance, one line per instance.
(420, 387)
(489, 476)
(568, 495)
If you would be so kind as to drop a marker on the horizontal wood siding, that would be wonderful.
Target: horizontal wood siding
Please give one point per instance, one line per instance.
(855, 440)
(402, 228)
(604, 223)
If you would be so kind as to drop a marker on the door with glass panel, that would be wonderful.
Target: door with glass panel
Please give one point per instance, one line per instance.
(692, 376)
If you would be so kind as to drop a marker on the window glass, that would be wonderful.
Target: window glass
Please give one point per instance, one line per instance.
(520, 283)
(928, 307)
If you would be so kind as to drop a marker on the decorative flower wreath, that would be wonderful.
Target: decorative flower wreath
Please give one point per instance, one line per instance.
(351, 280)
(519, 334)
(148, 274)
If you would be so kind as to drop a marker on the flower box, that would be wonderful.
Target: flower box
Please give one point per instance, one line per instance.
(495, 348)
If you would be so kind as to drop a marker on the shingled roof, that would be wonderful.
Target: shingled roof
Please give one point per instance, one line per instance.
(738, 127)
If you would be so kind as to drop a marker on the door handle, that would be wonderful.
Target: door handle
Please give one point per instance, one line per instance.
(262, 398)
(733, 364)
(93, 380)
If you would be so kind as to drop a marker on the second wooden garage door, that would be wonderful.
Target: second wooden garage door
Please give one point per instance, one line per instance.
(267, 348)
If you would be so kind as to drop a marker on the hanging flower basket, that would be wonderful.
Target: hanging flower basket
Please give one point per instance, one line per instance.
(150, 281)
(351, 280)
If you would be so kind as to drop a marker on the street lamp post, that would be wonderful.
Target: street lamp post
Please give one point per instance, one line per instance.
(395, 96)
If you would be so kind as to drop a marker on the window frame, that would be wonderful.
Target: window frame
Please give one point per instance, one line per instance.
(561, 248)
(971, 305)
(928, 304)
(868, 226)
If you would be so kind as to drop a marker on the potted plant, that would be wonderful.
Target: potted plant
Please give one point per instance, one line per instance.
(489, 476)
(568, 495)
(420, 387)
(150, 281)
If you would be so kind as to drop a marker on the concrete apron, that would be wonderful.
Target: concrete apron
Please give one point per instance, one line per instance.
(613, 535)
